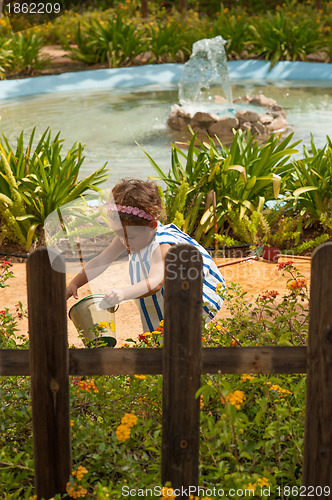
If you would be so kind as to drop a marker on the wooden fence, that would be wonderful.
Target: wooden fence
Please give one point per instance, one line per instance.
(49, 363)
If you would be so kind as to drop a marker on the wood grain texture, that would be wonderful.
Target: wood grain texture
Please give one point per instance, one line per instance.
(317, 467)
(49, 375)
(264, 359)
(182, 366)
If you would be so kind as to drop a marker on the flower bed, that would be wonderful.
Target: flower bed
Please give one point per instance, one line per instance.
(251, 425)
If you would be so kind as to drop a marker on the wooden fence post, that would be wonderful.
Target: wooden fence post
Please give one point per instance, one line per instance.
(49, 375)
(317, 467)
(182, 366)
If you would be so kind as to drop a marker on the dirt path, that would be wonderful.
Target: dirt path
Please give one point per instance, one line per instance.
(254, 276)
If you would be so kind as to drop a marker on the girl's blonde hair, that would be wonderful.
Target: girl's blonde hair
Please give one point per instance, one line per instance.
(140, 194)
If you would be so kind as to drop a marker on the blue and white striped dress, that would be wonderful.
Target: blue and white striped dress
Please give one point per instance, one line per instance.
(151, 308)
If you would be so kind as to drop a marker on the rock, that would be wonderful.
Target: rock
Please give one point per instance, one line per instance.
(224, 126)
(173, 121)
(245, 126)
(258, 128)
(218, 99)
(266, 119)
(179, 111)
(242, 100)
(202, 117)
(183, 123)
(279, 123)
(247, 116)
(261, 100)
(271, 120)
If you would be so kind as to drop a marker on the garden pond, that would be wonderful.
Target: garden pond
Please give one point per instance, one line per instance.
(109, 122)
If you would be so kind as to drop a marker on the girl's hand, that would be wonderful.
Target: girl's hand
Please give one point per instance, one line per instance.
(114, 296)
(71, 290)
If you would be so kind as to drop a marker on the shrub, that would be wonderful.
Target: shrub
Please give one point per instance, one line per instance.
(281, 37)
(36, 181)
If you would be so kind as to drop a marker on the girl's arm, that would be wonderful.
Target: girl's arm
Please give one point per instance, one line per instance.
(95, 267)
(146, 287)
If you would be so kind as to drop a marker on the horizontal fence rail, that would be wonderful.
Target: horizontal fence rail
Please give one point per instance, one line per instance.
(148, 361)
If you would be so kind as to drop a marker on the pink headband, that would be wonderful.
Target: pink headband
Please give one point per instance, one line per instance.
(129, 210)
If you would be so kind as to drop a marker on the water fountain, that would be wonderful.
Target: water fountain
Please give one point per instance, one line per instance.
(217, 115)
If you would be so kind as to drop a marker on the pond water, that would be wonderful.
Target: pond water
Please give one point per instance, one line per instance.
(109, 122)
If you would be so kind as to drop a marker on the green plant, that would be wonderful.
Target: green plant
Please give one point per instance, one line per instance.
(232, 25)
(167, 40)
(309, 245)
(117, 42)
(245, 175)
(265, 228)
(35, 182)
(9, 319)
(26, 49)
(252, 426)
(6, 56)
(271, 319)
(225, 240)
(279, 36)
(310, 185)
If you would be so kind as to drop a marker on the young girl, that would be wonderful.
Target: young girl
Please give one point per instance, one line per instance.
(134, 218)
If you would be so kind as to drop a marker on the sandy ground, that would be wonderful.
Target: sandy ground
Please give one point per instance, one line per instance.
(254, 276)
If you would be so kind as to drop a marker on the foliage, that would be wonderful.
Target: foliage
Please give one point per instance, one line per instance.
(270, 227)
(226, 241)
(232, 25)
(35, 181)
(287, 31)
(21, 53)
(5, 273)
(167, 40)
(9, 320)
(269, 320)
(117, 42)
(310, 185)
(6, 56)
(245, 175)
(27, 52)
(251, 425)
(309, 244)
(279, 36)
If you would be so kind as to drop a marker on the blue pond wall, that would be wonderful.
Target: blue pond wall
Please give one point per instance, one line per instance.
(137, 76)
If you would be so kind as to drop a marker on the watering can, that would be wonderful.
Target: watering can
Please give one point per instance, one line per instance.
(96, 324)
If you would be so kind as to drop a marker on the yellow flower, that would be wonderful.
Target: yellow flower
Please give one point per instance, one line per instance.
(252, 487)
(129, 419)
(81, 471)
(247, 377)
(140, 377)
(278, 390)
(263, 481)
(236, 398)
(123, 432)
(161, 324)
(169, 493)
(103, 324)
